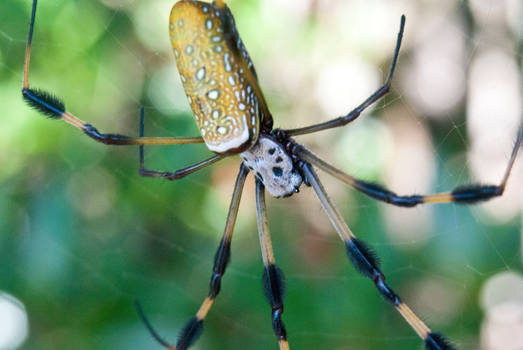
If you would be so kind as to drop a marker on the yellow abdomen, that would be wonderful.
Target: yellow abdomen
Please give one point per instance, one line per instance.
(217, 75)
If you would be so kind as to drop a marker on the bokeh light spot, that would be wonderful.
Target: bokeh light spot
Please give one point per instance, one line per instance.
(14, 325)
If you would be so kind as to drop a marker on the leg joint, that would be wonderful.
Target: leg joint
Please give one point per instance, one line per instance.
(108, 139)
(385, 291)
(215, 285)
(277, 324)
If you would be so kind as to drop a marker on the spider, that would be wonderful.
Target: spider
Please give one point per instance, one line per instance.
(222, 87)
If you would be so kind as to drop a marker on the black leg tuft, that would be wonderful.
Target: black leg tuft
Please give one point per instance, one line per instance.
(221, 260)
(222, 256)
(189, 334)
(274, 285)
(470, 194)
(379, 192)
(44, 102)
(436, 341)
(363, 257)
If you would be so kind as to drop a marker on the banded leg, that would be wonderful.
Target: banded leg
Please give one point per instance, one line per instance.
(273, 279)
(52, 107)
(366, 262)
(355, 113)
(467, 194)
(168, 175)
(192, 330)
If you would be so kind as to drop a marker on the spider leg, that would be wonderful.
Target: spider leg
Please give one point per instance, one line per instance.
(467, 194)
(52, 107)
(273, 279)
(178, 174)
(193, 328)
(366, 262)
(355, 113)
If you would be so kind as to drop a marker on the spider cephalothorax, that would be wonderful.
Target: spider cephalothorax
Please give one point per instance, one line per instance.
(273, 166)
(231, 113)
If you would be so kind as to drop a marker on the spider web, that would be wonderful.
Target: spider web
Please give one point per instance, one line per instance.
(85, 235)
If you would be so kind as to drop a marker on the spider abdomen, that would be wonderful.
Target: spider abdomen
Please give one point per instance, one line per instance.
(217, 75)
(270, 163)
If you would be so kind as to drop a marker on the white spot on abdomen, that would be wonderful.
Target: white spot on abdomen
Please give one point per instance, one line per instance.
(228, 67)
(213, 94)
(200, 73)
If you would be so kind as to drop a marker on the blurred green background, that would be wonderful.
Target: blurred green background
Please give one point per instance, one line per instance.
(82, 235)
